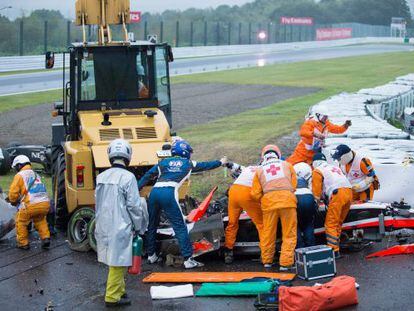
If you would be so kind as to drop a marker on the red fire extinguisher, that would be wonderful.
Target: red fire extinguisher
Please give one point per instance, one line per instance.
(137, 244)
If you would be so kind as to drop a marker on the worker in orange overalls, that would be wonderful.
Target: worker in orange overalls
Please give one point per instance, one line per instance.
(330, 183)
(274, 185)
(240, 199)
(28, 193)
(359, 171)
(313, 134)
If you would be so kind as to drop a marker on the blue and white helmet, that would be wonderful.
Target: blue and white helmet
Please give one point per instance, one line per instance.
(119, 149)
(181, 148)
(303, 170)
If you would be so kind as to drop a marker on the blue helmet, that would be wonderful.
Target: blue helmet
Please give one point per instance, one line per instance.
(181, 148)
(340, 151)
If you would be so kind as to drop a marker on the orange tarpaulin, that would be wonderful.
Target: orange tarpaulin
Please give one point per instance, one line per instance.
(395, 250)
(211, 277)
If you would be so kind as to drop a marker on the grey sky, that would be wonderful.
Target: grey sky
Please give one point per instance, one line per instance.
(67, 6)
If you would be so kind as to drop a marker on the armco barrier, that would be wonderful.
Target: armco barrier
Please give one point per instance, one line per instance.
(393, 108)
(35, 62)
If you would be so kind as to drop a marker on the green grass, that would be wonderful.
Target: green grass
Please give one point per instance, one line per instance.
(29, 99)
(343, 74)
(241, 136)
(396, 123)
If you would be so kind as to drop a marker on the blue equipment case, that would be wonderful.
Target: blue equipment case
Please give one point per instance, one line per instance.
(315, 262)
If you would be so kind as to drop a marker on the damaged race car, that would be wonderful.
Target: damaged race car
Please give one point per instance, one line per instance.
(40, 154)
(365, 224)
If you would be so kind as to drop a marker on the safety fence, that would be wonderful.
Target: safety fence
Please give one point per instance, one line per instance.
(30, 37)
(37, 62)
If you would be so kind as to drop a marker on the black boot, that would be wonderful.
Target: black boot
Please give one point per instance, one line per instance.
(46, 243)
(24, 247)
(120, 303)
(337, 255)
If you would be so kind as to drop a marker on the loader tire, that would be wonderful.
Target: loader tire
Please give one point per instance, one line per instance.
(59, 193)
(54, 155)
(55, 151)
(78, 226)
(91, 235)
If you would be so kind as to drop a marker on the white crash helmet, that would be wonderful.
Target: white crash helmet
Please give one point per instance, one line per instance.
(320, 112)
(20, 160)
(303, 170)
(119, 149)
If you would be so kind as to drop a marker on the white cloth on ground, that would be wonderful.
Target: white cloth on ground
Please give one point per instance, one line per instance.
(169, 292)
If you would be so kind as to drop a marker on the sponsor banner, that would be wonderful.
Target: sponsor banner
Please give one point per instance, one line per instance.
(135, 16)
(333, 33)
(286, 20)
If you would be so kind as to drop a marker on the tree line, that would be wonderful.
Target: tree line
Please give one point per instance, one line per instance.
(373, 12)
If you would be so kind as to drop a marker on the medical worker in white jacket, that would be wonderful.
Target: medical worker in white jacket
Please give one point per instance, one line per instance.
(120, 212)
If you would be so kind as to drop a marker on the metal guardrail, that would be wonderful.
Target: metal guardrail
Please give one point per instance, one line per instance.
(36, 62)
(393, 108)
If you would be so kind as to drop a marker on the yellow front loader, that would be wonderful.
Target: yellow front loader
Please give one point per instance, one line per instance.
(116, 89)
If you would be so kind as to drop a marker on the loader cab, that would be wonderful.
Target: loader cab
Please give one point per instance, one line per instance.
(116, 77)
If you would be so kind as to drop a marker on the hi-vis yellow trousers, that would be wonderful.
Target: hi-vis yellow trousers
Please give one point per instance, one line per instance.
(115, 285)
(36, 213)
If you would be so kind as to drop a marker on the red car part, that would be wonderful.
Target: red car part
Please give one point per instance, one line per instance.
(199, 212)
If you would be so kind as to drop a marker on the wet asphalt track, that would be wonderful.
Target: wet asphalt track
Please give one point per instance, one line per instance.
(30, 280)
(39, 81)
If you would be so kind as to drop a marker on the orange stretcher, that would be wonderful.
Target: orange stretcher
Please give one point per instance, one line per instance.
(213, 277)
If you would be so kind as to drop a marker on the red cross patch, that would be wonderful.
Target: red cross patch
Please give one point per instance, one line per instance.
(273, 170)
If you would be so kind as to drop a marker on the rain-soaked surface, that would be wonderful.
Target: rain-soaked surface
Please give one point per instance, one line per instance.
(67, 280)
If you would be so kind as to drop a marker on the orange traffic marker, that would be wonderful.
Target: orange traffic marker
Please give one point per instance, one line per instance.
(213, 277)
(199, 212)
(395, 250)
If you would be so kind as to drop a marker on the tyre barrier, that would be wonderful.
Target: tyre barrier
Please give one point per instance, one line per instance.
(400, 135)
(372, 136)
(362, 135)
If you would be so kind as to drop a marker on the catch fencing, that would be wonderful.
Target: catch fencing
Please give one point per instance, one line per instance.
(37, 62)
(29, 37)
